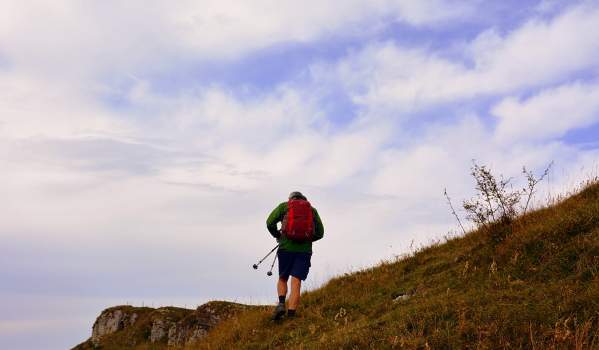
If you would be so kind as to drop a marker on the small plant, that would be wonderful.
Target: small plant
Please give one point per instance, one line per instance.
(530, 191)
(497, 203)
(494, 201)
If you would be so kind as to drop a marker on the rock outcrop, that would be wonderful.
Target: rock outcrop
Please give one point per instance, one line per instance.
(112, 320)
(195, 326)
(131, 326)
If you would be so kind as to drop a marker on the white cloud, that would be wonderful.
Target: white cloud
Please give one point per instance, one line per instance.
(256, 123)
(540, 52)
(30, 108)
(549, 114)
(29, 326)
(431, 12)
(68, 40)
(237, 25)
(406, 173)
(384, 76)
(339, 158)
(548, 6)
(432, 160)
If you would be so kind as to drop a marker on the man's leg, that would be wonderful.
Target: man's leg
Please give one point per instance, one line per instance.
(282, 290)
(282, 286)
(294, 295)
(298, 274)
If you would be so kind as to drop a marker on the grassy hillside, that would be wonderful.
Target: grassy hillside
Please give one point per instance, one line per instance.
(531, 284)
(527, 282)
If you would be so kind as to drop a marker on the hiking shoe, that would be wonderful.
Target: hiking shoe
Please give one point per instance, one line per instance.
(279, 312)
(290, 314)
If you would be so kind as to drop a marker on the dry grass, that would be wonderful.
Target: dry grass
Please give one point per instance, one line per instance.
(536, 288)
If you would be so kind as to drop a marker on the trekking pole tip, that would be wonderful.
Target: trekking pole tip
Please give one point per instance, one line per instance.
(255, 267)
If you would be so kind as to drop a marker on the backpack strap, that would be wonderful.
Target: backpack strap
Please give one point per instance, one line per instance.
(285, 220)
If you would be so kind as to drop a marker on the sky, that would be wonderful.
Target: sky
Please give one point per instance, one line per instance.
(143, 144)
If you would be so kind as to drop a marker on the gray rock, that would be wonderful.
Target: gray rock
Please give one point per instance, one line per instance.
(196, 335)
(160, 329)
(110, 321)
(176, 335)
(175, 326)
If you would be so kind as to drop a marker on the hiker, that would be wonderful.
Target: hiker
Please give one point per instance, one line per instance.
(300, 226)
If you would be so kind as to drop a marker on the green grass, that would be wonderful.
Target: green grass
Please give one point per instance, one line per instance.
(535, 288)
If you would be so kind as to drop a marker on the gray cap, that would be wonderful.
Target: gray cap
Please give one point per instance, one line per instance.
(295, 194)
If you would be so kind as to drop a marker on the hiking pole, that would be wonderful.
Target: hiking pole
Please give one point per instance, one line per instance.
(273, 249)
(269, 273)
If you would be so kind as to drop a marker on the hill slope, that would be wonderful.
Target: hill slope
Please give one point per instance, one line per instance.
(536, 288)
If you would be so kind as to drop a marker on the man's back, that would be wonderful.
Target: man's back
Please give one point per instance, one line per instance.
(278, 214)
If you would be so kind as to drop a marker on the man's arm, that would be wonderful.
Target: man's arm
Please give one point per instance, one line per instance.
(274, 218)
(319, 226)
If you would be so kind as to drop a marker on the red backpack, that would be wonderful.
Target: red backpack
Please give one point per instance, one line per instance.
(298, 224)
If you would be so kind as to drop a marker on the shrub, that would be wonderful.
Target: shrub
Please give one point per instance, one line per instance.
(496, 203)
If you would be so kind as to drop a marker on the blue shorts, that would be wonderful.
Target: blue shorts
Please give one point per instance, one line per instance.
(294, 264)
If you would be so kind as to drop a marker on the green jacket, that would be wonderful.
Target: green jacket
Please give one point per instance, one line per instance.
(285, 244)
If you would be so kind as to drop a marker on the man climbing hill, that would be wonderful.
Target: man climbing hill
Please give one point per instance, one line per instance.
(300, 227)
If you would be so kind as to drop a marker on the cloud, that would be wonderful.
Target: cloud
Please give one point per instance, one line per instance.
(387, 76)
(431, 13)
(213, 139)
(238, 25)
(95, 156)
(549, 114)
(29, 326)
(436, 156)
(92, 39)
(59, 321)
(31, 108)
(540, 52)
